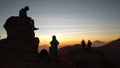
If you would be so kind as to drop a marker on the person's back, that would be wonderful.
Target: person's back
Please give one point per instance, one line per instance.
(43, 54)
(89, 44)
(54, 42)
(83, 44)
(54, 45)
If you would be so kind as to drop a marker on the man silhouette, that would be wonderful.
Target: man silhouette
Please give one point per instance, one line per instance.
(83, 44)
(23, 12)
(89, 44)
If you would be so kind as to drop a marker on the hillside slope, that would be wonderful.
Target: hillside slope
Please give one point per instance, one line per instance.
(86, 58)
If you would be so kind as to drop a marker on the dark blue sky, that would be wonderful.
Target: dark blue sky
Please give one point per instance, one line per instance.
(89, 19)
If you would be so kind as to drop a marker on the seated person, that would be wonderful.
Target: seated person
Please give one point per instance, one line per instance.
(23, 12)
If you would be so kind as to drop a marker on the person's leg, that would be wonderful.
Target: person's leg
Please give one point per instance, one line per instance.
(33, 25)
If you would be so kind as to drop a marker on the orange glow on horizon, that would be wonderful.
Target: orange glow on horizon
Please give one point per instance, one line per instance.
(70, 40)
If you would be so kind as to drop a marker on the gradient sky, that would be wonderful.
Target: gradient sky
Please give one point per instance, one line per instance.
(70, 20)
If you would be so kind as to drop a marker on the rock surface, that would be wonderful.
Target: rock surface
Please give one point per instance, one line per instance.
(19, 49)
(21, 45)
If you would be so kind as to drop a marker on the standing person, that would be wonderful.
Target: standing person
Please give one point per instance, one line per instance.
(54, 46)
(83, 44)
(89, 44)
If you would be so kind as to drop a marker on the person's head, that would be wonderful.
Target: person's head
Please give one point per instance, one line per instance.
(53, 37)
(89, 41)
(26, 8)
(83, 40)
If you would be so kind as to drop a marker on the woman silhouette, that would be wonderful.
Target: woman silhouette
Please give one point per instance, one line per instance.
(54, 46)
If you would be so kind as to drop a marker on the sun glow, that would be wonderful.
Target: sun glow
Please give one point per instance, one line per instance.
(68, 39)
(45, 39)
(64, 39)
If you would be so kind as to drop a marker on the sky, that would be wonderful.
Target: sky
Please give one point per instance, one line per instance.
(70, 20)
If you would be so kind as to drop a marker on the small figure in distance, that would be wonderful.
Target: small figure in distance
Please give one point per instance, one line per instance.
(89, 44)
(83, 44)
(54, 46)
(23, 12)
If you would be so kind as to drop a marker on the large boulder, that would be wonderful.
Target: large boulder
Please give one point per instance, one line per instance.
(21, 44)
(17, 27)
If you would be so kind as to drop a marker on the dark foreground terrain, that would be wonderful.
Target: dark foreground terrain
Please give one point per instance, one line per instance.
(87, 58)
(19, 50)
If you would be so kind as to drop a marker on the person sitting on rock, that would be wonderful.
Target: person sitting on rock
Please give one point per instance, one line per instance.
(33, 26)
(23, 12)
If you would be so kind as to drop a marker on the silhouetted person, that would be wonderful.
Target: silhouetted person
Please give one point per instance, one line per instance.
(43, 54)
(54, 46)
(33, 26)
(89, 44)
(83, 44)
(23, 12)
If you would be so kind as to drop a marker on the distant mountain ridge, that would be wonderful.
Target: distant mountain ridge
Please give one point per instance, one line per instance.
(82, 58)
(67, 49)
(98, 43)
(43, 47)
(114, 43)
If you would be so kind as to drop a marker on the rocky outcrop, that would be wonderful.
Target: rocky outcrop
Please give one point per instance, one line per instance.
(19, 49)
(21, 44)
